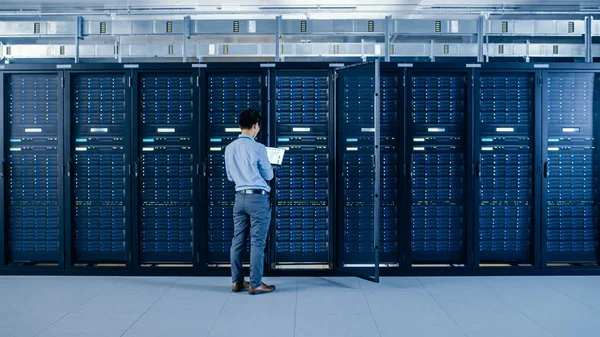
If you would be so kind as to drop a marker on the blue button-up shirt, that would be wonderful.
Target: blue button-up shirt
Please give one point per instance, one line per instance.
(247, 164)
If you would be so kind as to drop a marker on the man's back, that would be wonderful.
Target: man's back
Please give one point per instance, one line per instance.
(247, 164)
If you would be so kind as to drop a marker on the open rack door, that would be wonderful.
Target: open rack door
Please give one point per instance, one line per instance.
(358, 165)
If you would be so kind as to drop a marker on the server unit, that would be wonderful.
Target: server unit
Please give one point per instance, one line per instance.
(227, 94)
(303, 197)
(32, 166)
(505, 167)
(167, 166)
(436, 149)
(99, 200)
(355, 158)
(570, 169)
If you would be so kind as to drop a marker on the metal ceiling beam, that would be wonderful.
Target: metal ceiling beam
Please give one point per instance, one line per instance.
(388, 22)
(187, 27)
(589, 57)
(278, 38)
(480, 38)
(78, 37)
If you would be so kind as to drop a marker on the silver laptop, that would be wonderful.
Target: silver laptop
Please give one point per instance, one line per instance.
(275, 155)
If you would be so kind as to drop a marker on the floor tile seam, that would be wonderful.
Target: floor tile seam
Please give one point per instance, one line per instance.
(574, 299)
(52, 324)
(442, 307)
(514, 306)
(369, 306)
(296, 306)
(218, 315)
(71, 310)
(151, 305)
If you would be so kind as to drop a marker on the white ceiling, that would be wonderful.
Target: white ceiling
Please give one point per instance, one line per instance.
(296, 5)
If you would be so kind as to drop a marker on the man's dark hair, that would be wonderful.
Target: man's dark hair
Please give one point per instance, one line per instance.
(248, 118)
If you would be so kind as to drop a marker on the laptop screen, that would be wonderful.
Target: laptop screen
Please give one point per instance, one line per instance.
(275, 155)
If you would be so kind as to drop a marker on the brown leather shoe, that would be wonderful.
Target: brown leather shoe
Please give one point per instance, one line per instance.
(261, 289)
(237, 287)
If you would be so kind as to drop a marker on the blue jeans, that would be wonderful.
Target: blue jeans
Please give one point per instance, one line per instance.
(251, 213)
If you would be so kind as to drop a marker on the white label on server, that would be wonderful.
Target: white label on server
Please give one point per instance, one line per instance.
(436, 129)
(419, 139)
(81, 149)
(15, 149)
(351, 149)
(367, 129)
(165, 130)
(301, 129)
(148, 149)
(99, 130)
(419, 149)
(215, 149)
(570, 129)
(233, 130)
(36, 130)
(487, 149)
(505, 129)
(552, 149)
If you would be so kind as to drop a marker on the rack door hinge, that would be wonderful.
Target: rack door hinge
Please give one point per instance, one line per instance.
(62, 82)
(403, 81)
(539, 81)
(130, 81)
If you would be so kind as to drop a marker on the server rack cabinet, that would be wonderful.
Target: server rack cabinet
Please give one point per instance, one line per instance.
(2, 173)
(437, 141)
(570, 204)
(166, 165)
(303, 197)
(355, 108)
(506, 230)
(98, 198)
(32, 225)
(229, 89)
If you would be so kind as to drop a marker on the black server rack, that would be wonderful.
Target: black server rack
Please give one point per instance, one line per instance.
(436, 149)
(570, 169)
(504, 167)
(303, 197)
(355, 165)
(227, 94)
(167, 166)
(99, 198)
(33, 221)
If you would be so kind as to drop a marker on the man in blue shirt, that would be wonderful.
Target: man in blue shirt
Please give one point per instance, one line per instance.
(247, 164)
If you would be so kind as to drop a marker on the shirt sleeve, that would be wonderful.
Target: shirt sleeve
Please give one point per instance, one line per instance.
(264, 166)
(227, 163)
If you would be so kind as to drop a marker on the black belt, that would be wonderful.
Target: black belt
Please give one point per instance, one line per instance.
(254, 192)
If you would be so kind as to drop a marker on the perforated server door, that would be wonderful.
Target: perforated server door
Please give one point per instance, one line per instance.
(227, 95)
(99, 161)
(356, 132)
(504, 152)
(32, 146)
(570, 169)
(303, 184)
(436, 149)
(167, 166)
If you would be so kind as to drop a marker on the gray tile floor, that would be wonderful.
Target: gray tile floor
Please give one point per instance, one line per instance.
(180, 307)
